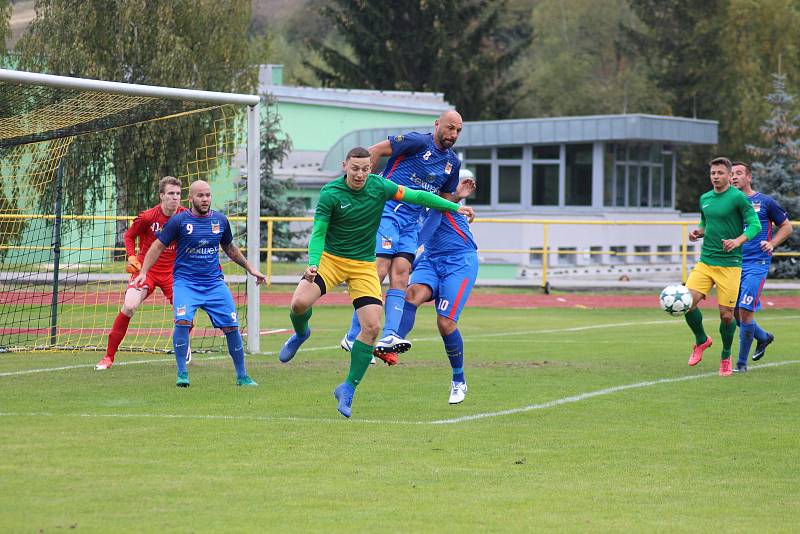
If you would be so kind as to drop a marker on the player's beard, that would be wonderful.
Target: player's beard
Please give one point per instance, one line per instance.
(199, 209)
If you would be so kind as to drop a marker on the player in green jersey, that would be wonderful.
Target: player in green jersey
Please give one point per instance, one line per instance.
(724, 211)
(342, 249)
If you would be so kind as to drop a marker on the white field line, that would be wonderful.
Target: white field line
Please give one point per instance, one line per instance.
(424, 339)
(467, 418)
(597, 393)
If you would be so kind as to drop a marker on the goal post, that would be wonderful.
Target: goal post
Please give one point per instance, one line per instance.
(95, 150)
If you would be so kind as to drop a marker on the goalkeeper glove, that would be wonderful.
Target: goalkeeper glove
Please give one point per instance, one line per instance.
(133, 266)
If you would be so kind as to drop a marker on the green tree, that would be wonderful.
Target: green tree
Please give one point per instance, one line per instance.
(579, 63)
(465, 49)
(198, 44)
(778, 174)
(274, 202)
(5, 21)
(681, 42)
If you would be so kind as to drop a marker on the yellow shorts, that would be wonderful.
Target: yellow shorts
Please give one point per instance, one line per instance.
(703, 277)
(361, 276)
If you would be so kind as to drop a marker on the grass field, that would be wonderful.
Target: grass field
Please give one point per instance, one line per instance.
(576, 420)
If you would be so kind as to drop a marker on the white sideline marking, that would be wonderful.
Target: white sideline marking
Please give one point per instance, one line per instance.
(550, 404)
(333, 347)
(591, 394)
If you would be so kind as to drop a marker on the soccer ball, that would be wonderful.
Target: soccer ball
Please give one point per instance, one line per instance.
(675, 299)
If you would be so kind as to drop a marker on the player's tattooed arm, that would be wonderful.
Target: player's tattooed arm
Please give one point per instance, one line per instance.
(238, 258)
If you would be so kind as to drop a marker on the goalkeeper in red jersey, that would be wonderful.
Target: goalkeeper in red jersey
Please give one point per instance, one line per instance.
(147, 225)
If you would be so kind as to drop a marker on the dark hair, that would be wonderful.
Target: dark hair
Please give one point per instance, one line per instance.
(745, 165)
(721, 161)
(167, 180)
(357, 152)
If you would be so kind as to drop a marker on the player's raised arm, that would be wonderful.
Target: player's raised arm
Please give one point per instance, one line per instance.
(378, 151)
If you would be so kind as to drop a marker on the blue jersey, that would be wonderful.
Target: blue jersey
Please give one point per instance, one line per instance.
(199, 239)
(768, 212)
(417, 163)
(450, 235)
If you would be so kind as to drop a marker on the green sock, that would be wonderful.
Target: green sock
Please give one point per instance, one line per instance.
(695, 321)
(360, 356)
(300, 322)
(727, 331)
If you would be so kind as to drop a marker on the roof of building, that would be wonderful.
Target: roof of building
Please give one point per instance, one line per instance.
(638, 127)
(398, 101)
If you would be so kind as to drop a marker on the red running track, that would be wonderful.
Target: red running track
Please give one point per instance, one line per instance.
(488, 300)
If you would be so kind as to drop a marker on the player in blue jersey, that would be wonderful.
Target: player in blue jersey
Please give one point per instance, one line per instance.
(416, 161)
(198, 281)
(756, 258)
(445, 273)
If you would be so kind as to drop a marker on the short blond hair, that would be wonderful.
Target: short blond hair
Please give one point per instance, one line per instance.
(165, 181)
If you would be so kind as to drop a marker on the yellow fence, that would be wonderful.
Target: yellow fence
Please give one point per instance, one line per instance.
(545, 250)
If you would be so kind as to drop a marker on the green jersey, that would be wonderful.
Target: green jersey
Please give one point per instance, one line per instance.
(723, 216)
(346, 220)
(353, 216)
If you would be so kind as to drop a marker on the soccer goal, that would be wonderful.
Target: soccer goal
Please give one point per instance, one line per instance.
(79, 159)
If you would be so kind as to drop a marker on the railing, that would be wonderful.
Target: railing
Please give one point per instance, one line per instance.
(545, 250)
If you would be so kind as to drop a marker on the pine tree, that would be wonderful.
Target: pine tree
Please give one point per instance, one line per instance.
(778, 175)
(463, 48)
(273, 191)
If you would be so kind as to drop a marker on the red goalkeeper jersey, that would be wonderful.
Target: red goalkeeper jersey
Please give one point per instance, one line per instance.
(147, 225)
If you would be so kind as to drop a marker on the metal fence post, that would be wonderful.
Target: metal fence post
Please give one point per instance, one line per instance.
(270, 227)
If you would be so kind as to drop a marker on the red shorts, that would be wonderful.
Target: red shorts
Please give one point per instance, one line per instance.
(154, 280)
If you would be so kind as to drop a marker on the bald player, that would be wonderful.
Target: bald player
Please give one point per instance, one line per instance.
(198, 281)
(416, 161)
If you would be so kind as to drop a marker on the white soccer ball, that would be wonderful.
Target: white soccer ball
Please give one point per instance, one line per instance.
(675, 299)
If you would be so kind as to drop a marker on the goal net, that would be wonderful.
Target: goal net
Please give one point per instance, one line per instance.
(79, 159)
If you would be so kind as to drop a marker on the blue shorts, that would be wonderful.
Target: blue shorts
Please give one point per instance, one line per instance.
(450, 278)
(215, 299)
(396, 235)
(753, 278)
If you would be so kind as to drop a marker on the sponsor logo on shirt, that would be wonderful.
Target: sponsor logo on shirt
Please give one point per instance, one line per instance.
(757, 205)
(386, 242)
(448, 168)
(180, 311)
(214, 227)
(398, 138)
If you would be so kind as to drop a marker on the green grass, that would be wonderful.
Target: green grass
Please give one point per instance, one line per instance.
(126, 451)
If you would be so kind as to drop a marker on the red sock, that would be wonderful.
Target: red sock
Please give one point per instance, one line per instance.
(117, 334)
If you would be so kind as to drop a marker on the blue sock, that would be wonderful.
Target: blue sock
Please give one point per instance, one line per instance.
(180, 342)
(236, 350)
(407, 322)
(395, 298)
(759, 333)
(355, 328)
(746, 331)
(455, 353)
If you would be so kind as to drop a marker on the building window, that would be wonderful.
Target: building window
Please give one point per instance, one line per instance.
(509, 152)
(509, 182)
(595, 255)
(478, 153)
(544, 189)
(642, 253)
(615, 256)
(579, 175)
(642, 175)
(664, 254)
(567, 256)
(546, 152)
(483, 184)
